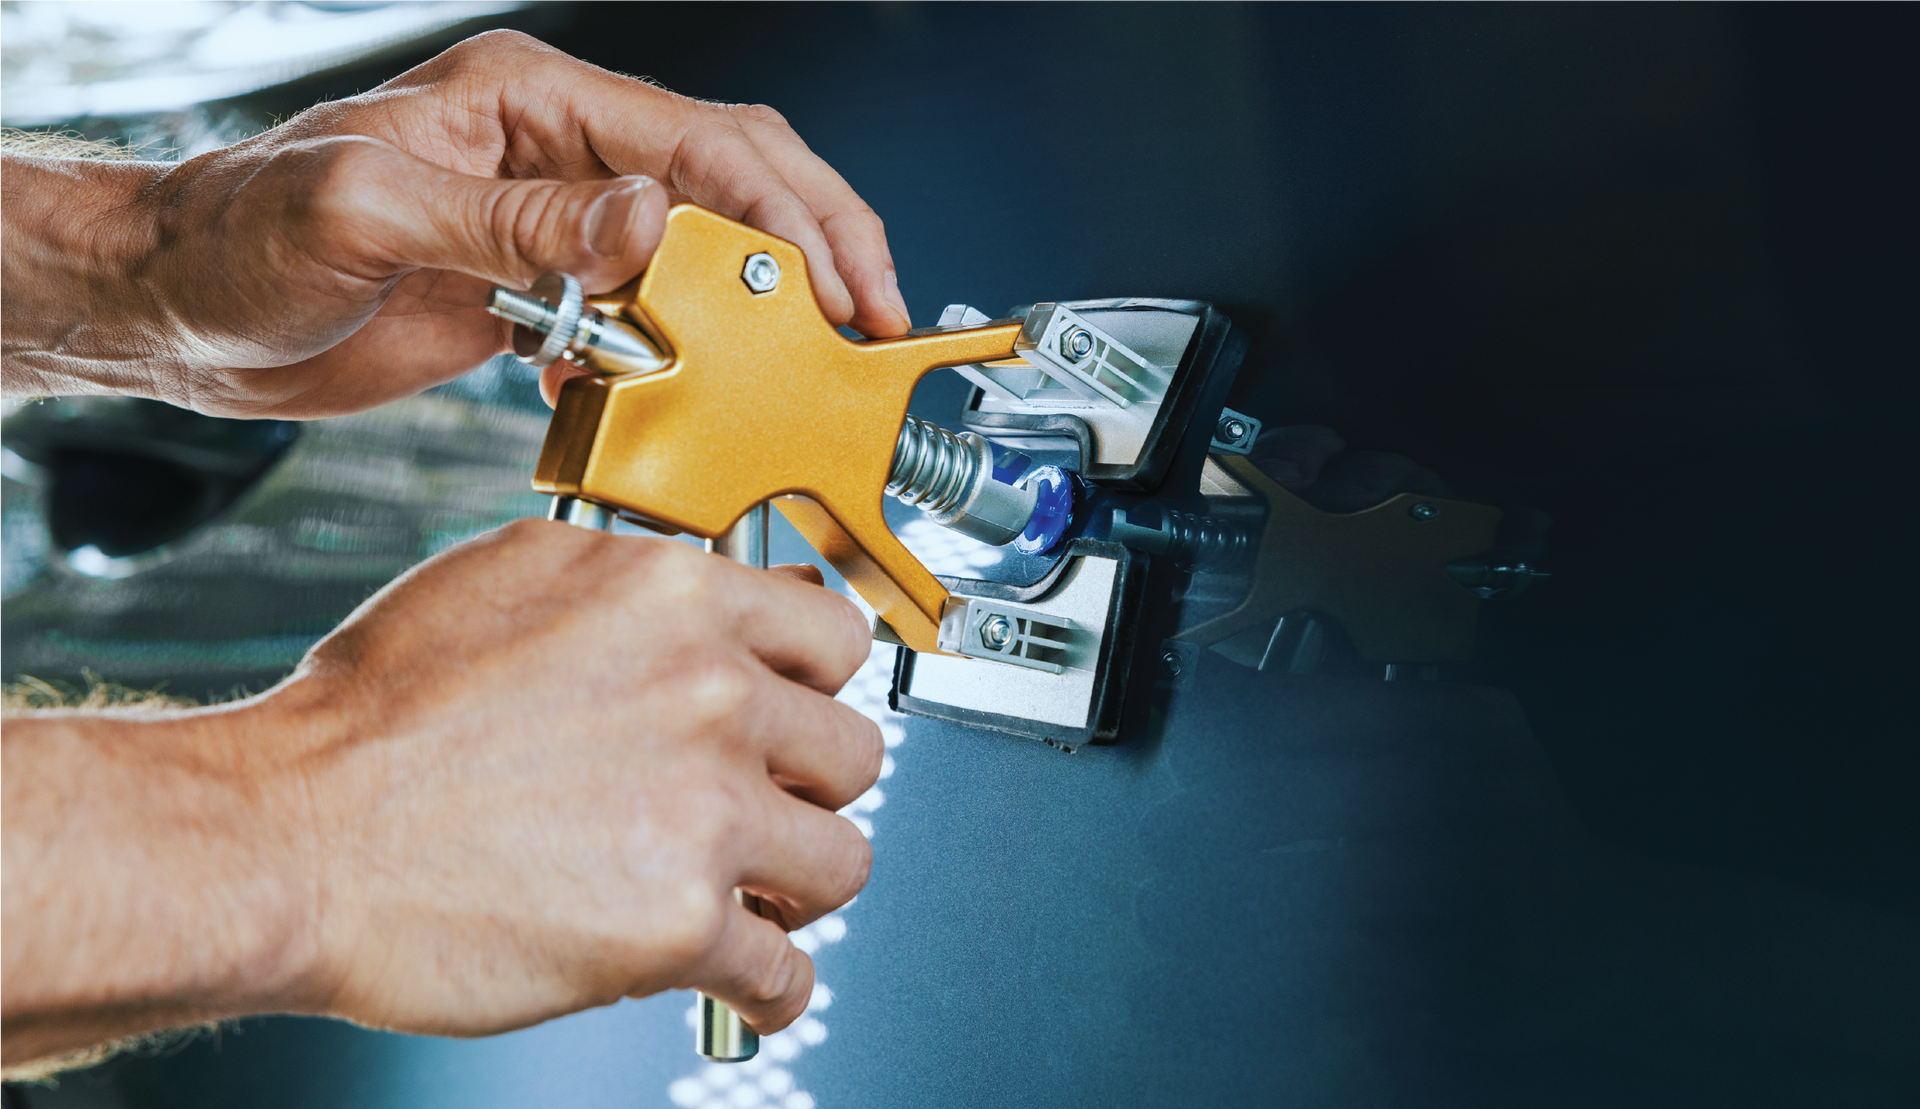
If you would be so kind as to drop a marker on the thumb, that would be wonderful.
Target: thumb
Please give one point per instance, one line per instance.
(412, 214)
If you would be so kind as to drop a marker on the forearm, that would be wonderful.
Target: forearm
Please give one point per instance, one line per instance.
(77, 316)
(152, 880)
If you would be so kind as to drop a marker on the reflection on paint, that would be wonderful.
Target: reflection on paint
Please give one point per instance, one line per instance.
(236, 602)
(67, 60)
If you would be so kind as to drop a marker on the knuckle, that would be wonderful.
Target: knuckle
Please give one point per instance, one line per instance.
(852, 868)
(716, 685)
(761, 113)
(653, 568)
(775, 977)
(520, 220)
(872, 749)
(319, 181)
(486, 47)
(529, 529)
(856, 638)
(693, 928)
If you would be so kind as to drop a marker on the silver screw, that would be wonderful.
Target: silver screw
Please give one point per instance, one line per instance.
(996, 632)
(762, 274)
(1171, 663)
(1231, 430)
(1424, 511)
(1076, 344)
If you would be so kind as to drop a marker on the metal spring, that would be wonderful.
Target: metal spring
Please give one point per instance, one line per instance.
(1204, 540)
(932, 467)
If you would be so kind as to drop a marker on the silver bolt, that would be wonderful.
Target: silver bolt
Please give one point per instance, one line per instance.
(1231, 430)
(1424, 511)
(1076, 344)
(1172, 664)
(762, 274)
(996, 632)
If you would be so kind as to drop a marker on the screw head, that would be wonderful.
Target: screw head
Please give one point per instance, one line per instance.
(996, 632)
(1424, 511)
(1171, 664)
(762, 273)
(1231, 430)
(1077, 343)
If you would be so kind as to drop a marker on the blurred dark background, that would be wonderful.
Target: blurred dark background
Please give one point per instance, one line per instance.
(1651, 269)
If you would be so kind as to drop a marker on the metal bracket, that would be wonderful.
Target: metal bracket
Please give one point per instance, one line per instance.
(1073, 351)
(1122, 447)
(1179, 662)
(1234, 433)
(1095, 592)
(1013, 634)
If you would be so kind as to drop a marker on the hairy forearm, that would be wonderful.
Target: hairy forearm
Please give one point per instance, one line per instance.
(77, 316)
(153, 879)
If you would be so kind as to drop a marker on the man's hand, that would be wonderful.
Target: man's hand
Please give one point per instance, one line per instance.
(342, 259)
(555, 755)
(522, 780)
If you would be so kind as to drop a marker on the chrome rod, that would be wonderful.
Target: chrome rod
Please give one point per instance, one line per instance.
(720, 1034)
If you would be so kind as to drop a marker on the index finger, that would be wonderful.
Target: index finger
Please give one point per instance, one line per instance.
(742, 162)
(714, 163)
(853, 230)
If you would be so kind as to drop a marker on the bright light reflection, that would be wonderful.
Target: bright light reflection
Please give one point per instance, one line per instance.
(64, 61)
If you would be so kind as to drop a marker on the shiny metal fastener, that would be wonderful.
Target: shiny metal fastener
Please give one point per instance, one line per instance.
(762, 273)
(1424, 511)
(996, 632)
(1235, 433)
(559, 323)
(1077, 344)
(581, 514)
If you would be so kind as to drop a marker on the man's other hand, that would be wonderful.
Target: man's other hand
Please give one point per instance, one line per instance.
(522, 780)
(553, 755)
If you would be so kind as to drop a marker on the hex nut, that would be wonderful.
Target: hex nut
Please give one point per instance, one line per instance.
(762, 273)
(1076, 344)
(1231, 431)
(996, 632)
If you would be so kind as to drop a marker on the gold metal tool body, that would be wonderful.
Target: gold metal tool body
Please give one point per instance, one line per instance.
(762, 398)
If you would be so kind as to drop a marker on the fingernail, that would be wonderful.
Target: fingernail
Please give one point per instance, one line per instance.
(899, 302)
(610, 218)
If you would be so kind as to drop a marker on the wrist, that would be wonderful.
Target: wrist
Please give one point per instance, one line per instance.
(160, 870)
(77, 317)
